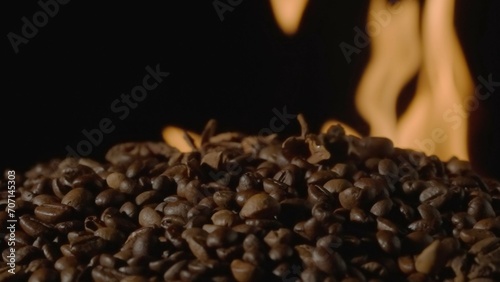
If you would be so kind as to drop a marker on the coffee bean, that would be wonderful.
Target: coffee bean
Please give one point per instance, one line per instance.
(471, 236)
(388, 242)
(129, 209)
(44, 274)
(317, 207)
(65, 262)
(53, 213)
(243, 271)
(36, 264)
(480, 208)
(280, 252)
(225, 199)
(45, 199)
(225, 218)
(337, 185)
(352, 197)
(34, 227)
(78, 198)
(88, 246)
(114, 179)
(406, 264)
(260, 206)
(110, 197)
(328, 261)
(382, 207)
(221, 237)
(148, 217)
(51, 251)
(388, 167)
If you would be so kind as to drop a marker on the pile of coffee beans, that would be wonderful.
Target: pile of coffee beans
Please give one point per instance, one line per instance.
(311, 207)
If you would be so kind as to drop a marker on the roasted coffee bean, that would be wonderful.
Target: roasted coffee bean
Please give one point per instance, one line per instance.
(88, 246)
(114, 179)
(480, 208)
(19, 238)
(225, 199)
(321, 177)
(146, 243)
(388, 242)
(388, 167)
(472, 236)
(413, 187)
(53, 213)
(44, 274)
(34, 227)
(148, 217)
(225, 218)
(36, 264)
(337, 185)
(491, 224)
(280, 252)
(129, 187)
(45, 199)
(78, 198)
(180, 208)
(174, 271)
(352, 197)
(70, 225)
(328, 260)
(130, 209)
(243, 196)
(382, 207)
(316, 207)
(406, 264)
(386, 224)
(243, 271)
(279, 236)
(51, 251)
(359, 215)
(110, 197)
(260, 206)
(221, 237)
(59, 189)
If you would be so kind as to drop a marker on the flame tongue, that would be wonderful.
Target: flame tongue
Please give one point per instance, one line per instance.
(444, 82)
(288, 14)
(399, 51)
(394, 60)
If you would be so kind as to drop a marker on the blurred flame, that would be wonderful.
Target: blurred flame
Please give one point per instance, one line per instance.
(401, 49)
(174, 136)
(409, 41)
(288, 14)
(444, 81)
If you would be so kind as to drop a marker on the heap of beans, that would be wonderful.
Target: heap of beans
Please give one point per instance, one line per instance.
(312, 207)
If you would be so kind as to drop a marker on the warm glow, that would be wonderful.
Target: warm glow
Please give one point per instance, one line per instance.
(404, 44)
(444, 83)
(174, 136)
(288, 14)
(406, 41)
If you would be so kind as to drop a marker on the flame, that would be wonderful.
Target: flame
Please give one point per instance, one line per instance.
(407, 40)
(444, 81)
(417, 41)
(288, 14)
(174, 136)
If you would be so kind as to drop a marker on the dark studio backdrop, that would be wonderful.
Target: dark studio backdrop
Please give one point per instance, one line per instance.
(68, 77)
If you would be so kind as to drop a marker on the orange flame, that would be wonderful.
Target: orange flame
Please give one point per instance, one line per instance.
(288, 14)
(400, 50)
(406, 41)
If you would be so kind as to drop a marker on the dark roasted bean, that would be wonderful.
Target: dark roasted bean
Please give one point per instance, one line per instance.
(53, 213)
(315, 207)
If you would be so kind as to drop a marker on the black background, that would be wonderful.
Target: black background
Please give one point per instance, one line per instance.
(236, 71)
